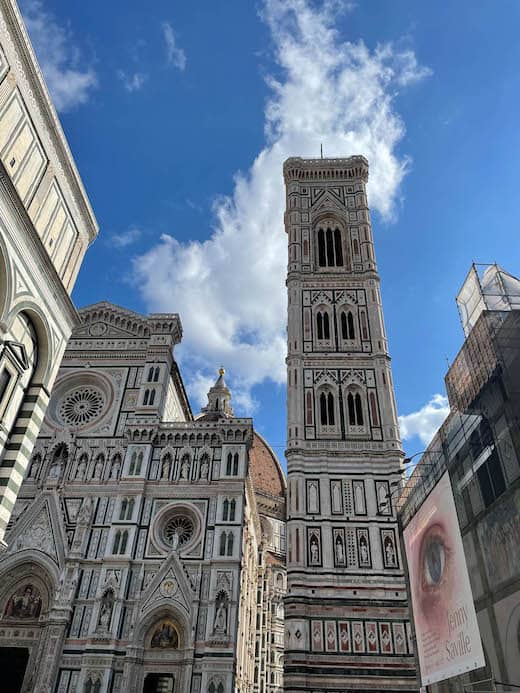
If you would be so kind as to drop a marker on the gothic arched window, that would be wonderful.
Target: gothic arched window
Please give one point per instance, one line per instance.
(152, 397)
(323, 325)
(133, 460)
(150, 375)
(232, 507)
(146, 397)
(319, 324)
(136, 462)
(124, 542)
(347, 325)
(117, 542)
(327, 409)
(235, 464)
(156, 374)
(222, 545)
(230, 541)
(330, 408)
(355, 409)
(229, 464)
(225, 510)
(321, 248)
(330, 249)
(323, 409)
(337, 247)
(359, 409)
(124, 504)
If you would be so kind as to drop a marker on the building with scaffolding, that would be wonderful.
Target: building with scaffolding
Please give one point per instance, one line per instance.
(479, 445)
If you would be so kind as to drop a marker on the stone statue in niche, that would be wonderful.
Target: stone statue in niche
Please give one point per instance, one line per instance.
(35, 467)
(221, 613)
(340, 550)
(313, 497)
(364, 558)
(165, 467)
(116, 468)
(336, 498)
(82, 468)
(59, 460)
(389, 551)
(359, 498)
(55, 469)
(98, 469)
(105, 611)
(314, 550)
(204, 467)
(185, 467)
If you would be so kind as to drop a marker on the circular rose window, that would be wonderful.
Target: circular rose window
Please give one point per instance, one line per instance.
(178, 531)
(81, 406)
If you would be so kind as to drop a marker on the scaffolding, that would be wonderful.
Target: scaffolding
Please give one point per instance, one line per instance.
(489, 308)
(486, 287)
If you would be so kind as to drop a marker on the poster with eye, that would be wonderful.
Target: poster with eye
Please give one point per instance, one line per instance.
(448, 638)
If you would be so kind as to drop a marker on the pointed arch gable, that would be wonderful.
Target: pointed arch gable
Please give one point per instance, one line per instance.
(50, 539)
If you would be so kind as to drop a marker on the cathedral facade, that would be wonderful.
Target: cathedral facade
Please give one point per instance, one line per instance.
(346, 614)
(146, 551)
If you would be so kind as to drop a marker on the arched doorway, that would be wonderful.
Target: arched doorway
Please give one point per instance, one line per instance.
(25, 599)
(164, 656)
(159, 683)
(13, 663)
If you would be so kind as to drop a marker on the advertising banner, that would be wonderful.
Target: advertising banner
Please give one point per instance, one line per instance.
(448, 638)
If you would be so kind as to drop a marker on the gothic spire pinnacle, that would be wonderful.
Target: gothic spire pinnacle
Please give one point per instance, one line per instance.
(219, 397)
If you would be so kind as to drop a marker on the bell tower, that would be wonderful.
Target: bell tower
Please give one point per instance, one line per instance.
(346, 613)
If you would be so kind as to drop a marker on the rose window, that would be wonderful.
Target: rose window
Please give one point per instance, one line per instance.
(81, 406)
(178, 531)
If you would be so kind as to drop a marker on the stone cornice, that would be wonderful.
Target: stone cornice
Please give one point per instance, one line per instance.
(141, 326)
(352, 167)
(28, 66)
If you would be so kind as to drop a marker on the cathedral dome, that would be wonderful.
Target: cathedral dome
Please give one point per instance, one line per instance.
(266, 472)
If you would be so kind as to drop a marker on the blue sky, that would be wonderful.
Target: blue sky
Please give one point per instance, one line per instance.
(179, 116)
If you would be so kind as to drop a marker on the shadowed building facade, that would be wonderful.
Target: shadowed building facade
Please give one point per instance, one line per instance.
(46, 226)
(346, 613)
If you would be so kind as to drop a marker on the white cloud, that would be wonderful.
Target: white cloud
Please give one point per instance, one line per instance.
(198, 388)
(425, 422)
(69, 83)
(124, 239)
(229, 289)
(133, 82)
(175, 55)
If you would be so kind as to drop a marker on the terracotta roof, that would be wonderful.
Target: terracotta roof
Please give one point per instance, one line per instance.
(266, 472)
